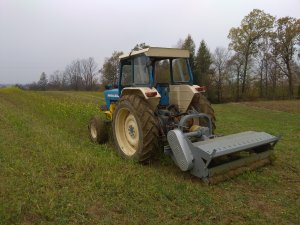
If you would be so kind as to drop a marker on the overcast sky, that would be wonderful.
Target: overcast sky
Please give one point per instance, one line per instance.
(45, 35)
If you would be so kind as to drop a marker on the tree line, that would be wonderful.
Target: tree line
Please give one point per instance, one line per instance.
(261, 61)
(80, 74)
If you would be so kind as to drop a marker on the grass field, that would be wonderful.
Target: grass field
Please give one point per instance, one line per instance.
(50, 173)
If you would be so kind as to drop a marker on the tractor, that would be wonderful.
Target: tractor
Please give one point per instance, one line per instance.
(155, 107)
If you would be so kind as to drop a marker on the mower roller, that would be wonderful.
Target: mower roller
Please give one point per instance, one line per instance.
(157, 106)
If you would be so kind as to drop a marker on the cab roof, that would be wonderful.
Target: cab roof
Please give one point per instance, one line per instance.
(158, 52)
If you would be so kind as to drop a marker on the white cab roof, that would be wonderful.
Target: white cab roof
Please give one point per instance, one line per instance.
(159, 52)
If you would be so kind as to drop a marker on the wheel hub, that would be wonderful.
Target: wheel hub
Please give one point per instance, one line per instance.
(93, 131)
(127, 132)
(131, 131)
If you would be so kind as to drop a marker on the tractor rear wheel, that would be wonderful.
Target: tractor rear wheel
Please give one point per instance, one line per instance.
(135, 128)
(98, 131)
(202, 105)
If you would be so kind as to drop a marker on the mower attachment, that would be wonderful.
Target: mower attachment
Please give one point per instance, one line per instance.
(213, 156)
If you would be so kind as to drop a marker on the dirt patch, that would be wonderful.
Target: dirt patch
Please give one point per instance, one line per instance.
(97, 211)
(291, 106)
(30, 218)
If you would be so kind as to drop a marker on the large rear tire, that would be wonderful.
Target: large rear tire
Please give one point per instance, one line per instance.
(135, 129)
(202, 105)
(98, 131)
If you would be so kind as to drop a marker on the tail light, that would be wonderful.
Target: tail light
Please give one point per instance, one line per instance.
(201, 88)
(151, 93)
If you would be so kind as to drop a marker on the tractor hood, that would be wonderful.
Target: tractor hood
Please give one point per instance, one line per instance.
(111, 95)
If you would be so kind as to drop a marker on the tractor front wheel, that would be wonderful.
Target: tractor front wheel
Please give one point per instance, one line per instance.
(98, 131)
(135, 128)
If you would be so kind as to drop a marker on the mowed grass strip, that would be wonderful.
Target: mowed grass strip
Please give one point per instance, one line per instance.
(50, 173)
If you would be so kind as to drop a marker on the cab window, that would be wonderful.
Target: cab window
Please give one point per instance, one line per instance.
(162, 71)
(142, 71)
(126, 73)
(180, 70)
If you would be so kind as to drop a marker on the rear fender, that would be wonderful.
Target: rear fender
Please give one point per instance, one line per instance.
(182, 95)
(144, 92)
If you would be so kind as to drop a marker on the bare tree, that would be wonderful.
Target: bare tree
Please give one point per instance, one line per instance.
(264, 63)
(219, 65)
(140, 46)
(89, 73)
(74, 74)
(287, 35)
(245, 39)
(236, 64)
(55, 80)
(110, 69)
(298, 71)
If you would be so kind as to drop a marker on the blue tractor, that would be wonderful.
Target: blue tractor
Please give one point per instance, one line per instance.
(156, 106)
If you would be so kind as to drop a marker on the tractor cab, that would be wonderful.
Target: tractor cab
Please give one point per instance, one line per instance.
(155, 68)
(162, 76)
(155, 65)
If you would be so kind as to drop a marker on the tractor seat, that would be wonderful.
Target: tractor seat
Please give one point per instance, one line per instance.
(163, 90)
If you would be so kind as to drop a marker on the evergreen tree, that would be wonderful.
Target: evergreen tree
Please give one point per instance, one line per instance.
(43, 82)
(202, 64)
(189, 44)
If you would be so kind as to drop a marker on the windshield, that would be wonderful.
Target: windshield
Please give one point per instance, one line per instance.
(180, 70)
